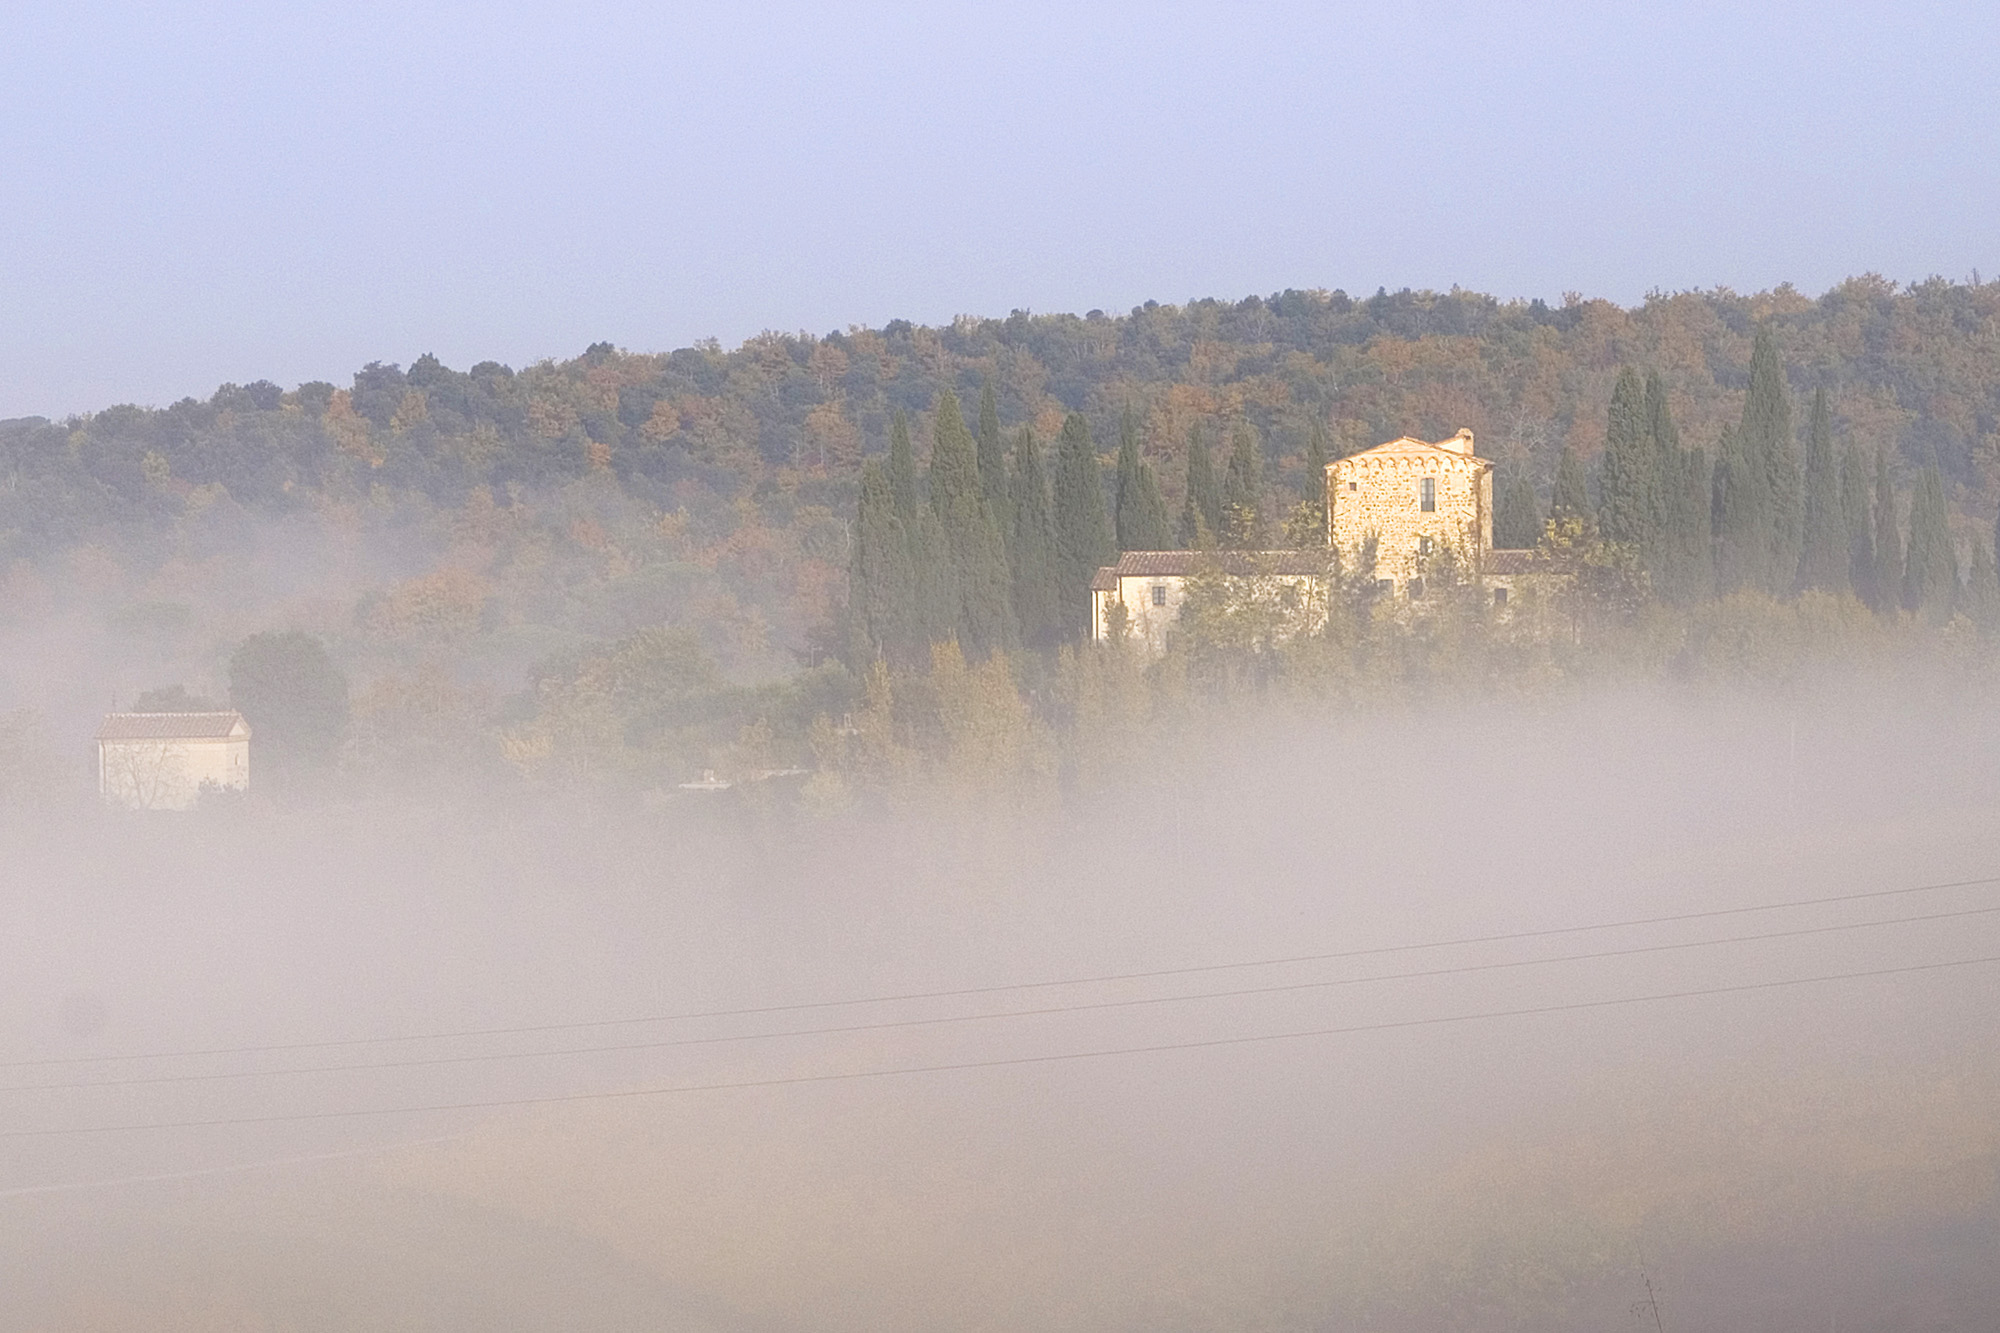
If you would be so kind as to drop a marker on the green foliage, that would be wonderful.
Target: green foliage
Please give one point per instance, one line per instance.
(981, 600)
(1312, 485)
(1824, 546)
(1031, 549)
(1861, 564)
(1930, 571)
(882, 587)
(992, 456)
(1760, 505)
(293, 697)
(903, 470)
(1201, 514)
(1631, 479)
(1682, 564)
(1517, 525)
(1243, 493)
(1888, 538)
(1571, 497)
(173, 699)
(1083, 539)
(1139, 514)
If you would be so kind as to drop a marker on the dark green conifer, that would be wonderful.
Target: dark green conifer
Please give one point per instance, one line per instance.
(1860, 533)
(1517, 526)
(1823, 554)
(992, 456)
(1888, 538)
(1930, 572)
(984, 620)
(937, 599)
(1763, 506)
(1031, 548)
(1314, 484)
(882, 593)
(1243, 492)
(1629, 479)
(1083, 530)
(1201, 516)
(1138, 513)
(1682, 564)
(1571, 498)
(903, 471)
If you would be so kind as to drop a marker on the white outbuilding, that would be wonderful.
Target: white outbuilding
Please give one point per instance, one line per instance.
(163, 761)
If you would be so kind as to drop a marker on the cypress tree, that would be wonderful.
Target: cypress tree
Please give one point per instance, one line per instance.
(1243, 492)
(1571, 498)
(1201, 516)
(1630, 477)
(1860, 536)
(1930, 574)
(1982, 587)
(935, 582)
(1516, 524)
(984, 617)
(1823, 552)
(1315, 478)
(1138, 513)
(882, 596)
(1031, 548)
(1764, 474)
(903, 471)
(1888, 538)
(992, 456)
(1083, 530)
(1683, 567)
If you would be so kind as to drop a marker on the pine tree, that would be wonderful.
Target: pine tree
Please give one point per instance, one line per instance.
(1517, 525)
(1243, 493)
(903, 471)
(1571, 498)
(992, 457)
(1860, 535)
(1930, 573)
(1083, 530)
(984, 617)
(1823, 554)
(1630, 477)
(1888, 538)
(1138, 513)
(1201, 516)
(1031, 548)
(882, 595)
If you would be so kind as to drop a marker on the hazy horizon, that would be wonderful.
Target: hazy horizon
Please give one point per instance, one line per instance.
(251, 192)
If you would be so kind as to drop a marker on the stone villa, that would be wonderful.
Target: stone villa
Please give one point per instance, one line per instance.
(1415, 501)
(163, 761)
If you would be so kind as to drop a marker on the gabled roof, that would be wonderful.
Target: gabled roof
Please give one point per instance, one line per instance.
(1458, 446)
(1169, 564)
(1501, 560)
(223, 726)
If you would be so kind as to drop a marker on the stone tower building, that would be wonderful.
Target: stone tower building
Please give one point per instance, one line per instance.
(1415, 499)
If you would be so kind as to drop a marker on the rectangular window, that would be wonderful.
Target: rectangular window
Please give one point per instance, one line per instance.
(1430, 500)
(1499, 597)
(1353, 485)
(1424, 546)
(1159, 594)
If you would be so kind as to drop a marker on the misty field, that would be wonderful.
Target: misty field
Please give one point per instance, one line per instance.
(1562, 1015)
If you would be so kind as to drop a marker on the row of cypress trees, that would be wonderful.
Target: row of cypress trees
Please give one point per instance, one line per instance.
(1759, 518)
(989, 549)
(986, 548)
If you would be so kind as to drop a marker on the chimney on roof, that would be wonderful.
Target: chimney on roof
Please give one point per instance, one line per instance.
(1460, 443)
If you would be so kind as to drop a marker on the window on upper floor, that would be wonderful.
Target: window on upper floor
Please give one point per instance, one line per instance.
(1429, 502)
(1159, 594)
(1353, 485)
(1425, 546)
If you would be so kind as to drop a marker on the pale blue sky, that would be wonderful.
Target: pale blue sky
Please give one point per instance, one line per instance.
(196, 193)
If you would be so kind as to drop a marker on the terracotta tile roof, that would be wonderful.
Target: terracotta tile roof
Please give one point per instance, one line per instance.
(173, 727)
(1105, 579)
(1509, 562)
(1144, 564)
(1459, 446)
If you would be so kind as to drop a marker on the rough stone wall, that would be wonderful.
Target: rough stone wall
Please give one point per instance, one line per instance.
(1380, 492)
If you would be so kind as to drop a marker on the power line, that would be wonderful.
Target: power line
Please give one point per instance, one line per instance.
(1005, 987)
(505, 1103)
(424, 1062)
